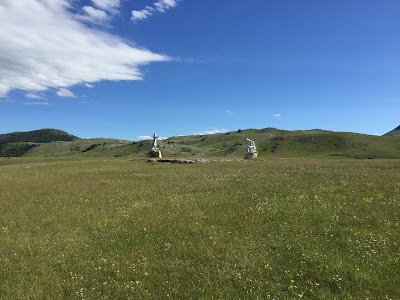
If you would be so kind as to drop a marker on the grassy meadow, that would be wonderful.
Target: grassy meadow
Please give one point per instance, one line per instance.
(120, 228)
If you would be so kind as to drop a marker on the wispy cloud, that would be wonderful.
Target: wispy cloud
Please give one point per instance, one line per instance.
(163, 5)
(277, 115)
(93, 15)
(205, 132)
(100, 13)
(145, 137)
(107, 5)
(160, 6)
(36, 103)
(141, 14)
(24, 103)
(148, 137)
(44, 45)
(7, 101)
(63, 92)
(89, 85)
(33, 96)
(228, 111)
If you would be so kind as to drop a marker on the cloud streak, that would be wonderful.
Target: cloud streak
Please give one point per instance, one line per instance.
(24, 103)
(148, 137)
(160, 6)
(33, 96)
(93, 15)
(205, 132)
(107, 5)
(45, 46)
(63, 92)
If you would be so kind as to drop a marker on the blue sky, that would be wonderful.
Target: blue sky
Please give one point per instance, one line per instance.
(127, 69)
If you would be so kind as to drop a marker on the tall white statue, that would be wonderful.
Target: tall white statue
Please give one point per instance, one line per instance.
(251, 146)
(155, 137)
(251, 149)
(155, 152)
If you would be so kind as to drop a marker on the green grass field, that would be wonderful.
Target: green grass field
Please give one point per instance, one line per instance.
(114, 228)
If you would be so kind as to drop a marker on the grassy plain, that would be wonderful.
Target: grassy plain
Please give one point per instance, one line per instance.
(114, 228)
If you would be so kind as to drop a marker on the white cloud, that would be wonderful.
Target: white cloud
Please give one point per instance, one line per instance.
(93, 15)
(36, 103)
(89, 85)
(65, 93)
(158, 6)
(145, 137)
(277, 115)
(205, 132)
(44, 46)
(25, 103)
(228, 111)
(148, 137)
(163, 5)
(33, 96)
(108, 5)
(140, 14)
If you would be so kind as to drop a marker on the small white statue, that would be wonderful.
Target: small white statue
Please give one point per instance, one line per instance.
(251, 146)
(155, 137)
(155, 152)
(251, 149)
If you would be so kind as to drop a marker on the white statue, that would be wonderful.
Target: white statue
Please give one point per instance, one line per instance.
(155, 152)
(155, 137)
(251, 146)
(251, 149)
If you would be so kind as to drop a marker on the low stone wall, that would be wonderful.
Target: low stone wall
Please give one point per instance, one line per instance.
(172, 161)
(190, 161)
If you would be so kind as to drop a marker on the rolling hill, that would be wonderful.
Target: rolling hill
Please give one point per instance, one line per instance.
(37, 136)
(18, 143)
(271, 142)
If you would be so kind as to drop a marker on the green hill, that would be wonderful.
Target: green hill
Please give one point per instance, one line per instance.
(394, 133)
(81, 147)
(18, 143)
(37, 136)
(271, 142)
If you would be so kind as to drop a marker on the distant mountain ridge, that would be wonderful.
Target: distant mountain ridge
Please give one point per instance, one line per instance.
(16, 144)
(270, 142)
(394, 133)
(37, 136)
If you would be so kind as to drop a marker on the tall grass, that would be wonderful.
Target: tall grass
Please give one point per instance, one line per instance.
(127, 229)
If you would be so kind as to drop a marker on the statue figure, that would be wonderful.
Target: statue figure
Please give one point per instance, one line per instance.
(155, 152)
(155, 137)
(251, 146)
(251, 149)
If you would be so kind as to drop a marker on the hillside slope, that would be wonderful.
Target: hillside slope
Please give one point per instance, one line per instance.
(18, 143)
(80, 147)
(394, 133)
(37, 136)
(271, 142)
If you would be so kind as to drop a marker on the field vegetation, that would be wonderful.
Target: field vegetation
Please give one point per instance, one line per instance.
(120, 228)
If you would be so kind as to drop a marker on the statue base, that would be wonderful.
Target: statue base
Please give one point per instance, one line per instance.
(250, 155)
(155, 152)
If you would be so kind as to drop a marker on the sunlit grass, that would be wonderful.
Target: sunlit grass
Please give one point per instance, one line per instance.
(127, 229)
